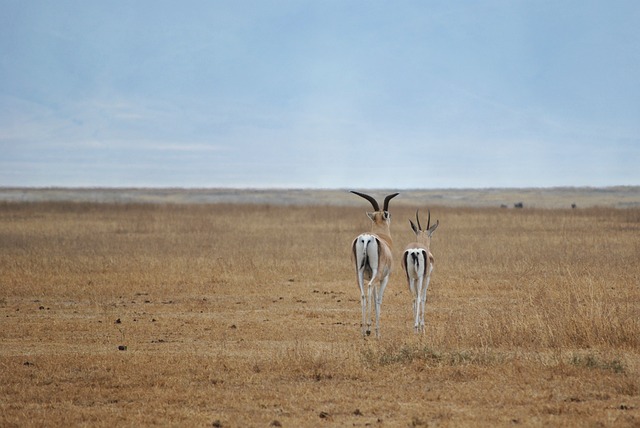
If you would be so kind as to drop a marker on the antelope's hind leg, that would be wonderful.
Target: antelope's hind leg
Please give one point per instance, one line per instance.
(378, 295)
(363, 301)
(371, 296)
(416, 300)
(418, 324)
(423, 297)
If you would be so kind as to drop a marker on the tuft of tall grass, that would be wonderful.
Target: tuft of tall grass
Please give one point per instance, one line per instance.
(594, 362)
(418, 353)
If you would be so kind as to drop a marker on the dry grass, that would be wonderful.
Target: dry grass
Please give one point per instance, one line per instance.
(248, 315)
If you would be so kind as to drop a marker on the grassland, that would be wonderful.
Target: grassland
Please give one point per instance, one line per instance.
(248, 315)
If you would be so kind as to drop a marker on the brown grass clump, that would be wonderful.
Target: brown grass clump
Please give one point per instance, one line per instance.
(248, 315)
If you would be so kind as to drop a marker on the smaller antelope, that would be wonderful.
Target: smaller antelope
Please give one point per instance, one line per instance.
(417, 262)
(371, 254)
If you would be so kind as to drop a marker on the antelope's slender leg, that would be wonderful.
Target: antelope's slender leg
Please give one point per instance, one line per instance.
(378, 298)
(423, 298)
(414, 295)
(371, 290)
(363, 301)
(416, 324)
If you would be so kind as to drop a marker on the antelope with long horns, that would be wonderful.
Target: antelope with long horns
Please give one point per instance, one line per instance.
(417, 262)
(371, 253)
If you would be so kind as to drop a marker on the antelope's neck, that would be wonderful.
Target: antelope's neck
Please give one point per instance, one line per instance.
(386, 238)
(425, 242)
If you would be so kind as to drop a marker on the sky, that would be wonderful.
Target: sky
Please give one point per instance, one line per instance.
(319, 94)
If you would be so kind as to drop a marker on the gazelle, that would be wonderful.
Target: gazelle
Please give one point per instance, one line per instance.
(371, 253)
(417, 262)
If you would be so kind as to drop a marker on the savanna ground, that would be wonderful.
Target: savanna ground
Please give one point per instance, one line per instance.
(249, 315)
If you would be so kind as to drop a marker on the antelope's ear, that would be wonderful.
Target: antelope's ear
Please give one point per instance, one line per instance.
(433, 228)
(372, 216)
(414, 227)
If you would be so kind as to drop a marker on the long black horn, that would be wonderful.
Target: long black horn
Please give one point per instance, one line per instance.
(376, 207)
(418, 220)
(387, 199)
(428, 220)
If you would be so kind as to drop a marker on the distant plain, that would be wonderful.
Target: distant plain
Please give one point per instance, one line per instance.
(558, 197)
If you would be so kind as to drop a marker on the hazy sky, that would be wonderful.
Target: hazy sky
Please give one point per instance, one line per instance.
(334, 94)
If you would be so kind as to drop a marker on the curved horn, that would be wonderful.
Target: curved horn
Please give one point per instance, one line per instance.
(428, 219)
(418, 220)
(374, 203)
(387, 199)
